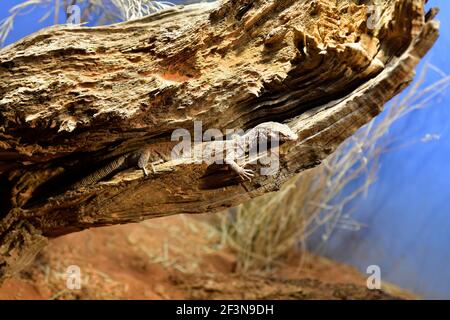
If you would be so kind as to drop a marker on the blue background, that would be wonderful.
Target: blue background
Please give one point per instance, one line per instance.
(407, 210)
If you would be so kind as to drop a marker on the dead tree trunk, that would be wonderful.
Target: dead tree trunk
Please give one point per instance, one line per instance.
(72, 98)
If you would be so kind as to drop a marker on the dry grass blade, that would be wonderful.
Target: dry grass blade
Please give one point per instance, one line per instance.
(134, 9)
(24, 8)
(6, 26)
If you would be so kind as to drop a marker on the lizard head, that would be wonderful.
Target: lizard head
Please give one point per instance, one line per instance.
(278, 131)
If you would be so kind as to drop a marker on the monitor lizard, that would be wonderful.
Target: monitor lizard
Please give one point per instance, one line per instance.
(143, 157)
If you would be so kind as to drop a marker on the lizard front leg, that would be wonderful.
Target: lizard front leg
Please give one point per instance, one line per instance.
(142, 162)
(243, 173)
(152, 164)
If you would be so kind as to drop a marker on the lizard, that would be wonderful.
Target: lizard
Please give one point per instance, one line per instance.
(239, 145)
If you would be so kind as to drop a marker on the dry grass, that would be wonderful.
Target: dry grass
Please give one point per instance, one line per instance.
(173, 253)
(96, 11)
(7, 24)
(261, 231)
(133, 9)
(264, 230)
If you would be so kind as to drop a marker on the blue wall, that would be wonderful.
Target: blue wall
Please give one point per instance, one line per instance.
(407, 211)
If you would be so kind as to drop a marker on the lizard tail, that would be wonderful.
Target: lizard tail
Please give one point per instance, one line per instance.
(100, 173)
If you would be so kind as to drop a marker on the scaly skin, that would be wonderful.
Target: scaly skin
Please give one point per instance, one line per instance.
(240, 145)
(137, 159)
(266, 131)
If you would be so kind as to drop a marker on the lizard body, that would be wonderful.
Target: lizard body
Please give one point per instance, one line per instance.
(235, 149)
(238, 146)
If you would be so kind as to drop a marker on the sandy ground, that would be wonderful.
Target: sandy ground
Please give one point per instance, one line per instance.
(177, 258)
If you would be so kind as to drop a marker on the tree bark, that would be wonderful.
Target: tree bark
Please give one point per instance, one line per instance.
(73, 98)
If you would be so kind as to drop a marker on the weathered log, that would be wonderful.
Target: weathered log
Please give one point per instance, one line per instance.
(73, 98)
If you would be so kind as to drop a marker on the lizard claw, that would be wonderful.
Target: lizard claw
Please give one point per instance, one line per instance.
(246, 174)
(155, 163)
